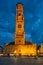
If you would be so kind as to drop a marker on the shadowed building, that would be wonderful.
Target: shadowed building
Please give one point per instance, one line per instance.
(1, 49)
(20, 47)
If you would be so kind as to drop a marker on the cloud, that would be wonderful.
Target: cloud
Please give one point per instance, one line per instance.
(28, 37)
(33, 20)
(6, 37)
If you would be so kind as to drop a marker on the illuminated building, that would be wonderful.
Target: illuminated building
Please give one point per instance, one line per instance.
(20, 48)
(41, 50)
(19, 34)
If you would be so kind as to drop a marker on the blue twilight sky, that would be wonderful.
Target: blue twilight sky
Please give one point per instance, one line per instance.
(33, 19)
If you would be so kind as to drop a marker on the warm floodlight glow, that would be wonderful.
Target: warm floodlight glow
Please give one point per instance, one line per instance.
(15, 51)
(38, 51)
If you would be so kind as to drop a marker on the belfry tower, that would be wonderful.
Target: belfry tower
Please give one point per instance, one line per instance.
(19, 32)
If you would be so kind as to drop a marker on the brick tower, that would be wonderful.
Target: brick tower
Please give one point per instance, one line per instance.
(19, 31)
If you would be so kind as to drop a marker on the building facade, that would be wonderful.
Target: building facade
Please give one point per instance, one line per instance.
(1, 49)
(20, 48)
(41, 50)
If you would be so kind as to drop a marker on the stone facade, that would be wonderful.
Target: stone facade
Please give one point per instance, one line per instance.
(20, 48)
